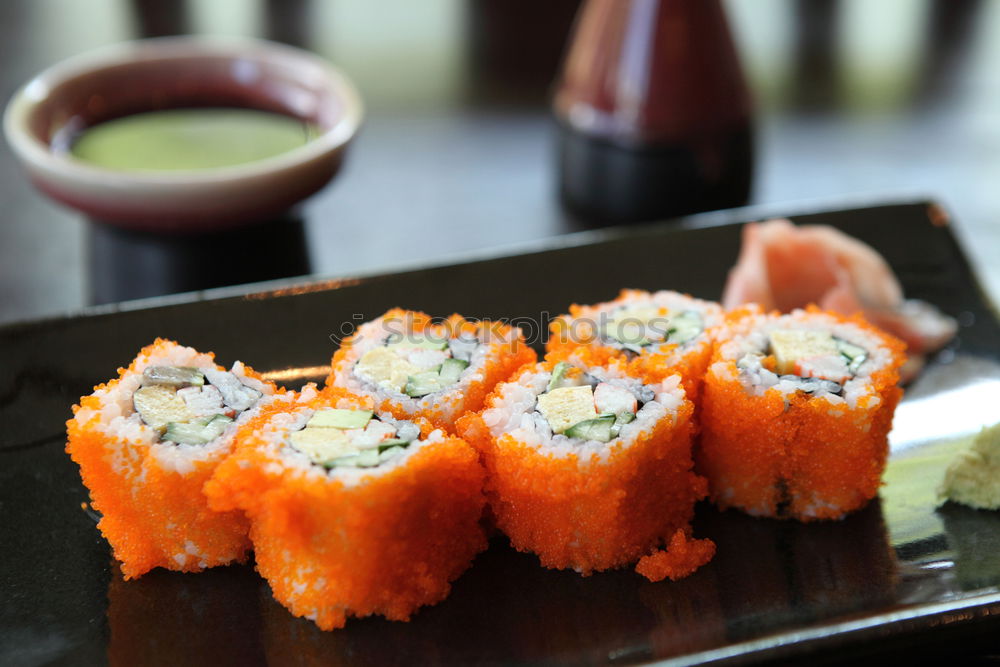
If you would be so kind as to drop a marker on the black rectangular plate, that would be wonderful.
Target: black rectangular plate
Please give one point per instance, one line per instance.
(899, 571)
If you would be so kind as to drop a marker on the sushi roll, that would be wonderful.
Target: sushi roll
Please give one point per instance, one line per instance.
(796, 413)
(148, 441)
(660, 333)
(413, 367)
(587, 467)
(353, 512)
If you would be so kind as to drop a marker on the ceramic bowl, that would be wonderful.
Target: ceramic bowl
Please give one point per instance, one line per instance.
(178, 72)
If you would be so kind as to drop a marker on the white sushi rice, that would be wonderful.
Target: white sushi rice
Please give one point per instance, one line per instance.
(130, 437)
(278, 429)
(376, 334)
(513, 410)
(747, 342)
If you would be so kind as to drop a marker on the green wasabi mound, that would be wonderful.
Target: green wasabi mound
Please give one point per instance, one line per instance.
(973, 478)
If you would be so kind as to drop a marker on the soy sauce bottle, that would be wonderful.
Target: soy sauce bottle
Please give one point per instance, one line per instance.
(653, 112)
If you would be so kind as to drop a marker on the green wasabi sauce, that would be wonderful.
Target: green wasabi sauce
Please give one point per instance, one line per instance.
(176, 139)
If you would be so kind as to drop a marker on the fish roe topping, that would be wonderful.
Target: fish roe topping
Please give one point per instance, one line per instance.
(146, 443)
(801, 446)
(349, 540)
(682, 557)
(578, 501)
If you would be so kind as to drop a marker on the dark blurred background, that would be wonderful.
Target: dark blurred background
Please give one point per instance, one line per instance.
(854, 100)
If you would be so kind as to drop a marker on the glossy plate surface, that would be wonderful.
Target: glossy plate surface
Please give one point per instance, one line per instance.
(901, 570)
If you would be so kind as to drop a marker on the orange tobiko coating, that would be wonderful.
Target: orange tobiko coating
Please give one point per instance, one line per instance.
(796, 455)
(681, 557)
(590, 513)
(153, 515)
(330, 549)
(506, 354)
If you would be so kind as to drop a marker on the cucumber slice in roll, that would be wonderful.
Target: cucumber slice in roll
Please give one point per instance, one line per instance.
(684, 327)
(200, 432)
(558, 373)
(173, 376)
(423, 343)
(422, 384)
(853, 354)
(598, 429)
(621, 419)
(366, 458)
(451, 370)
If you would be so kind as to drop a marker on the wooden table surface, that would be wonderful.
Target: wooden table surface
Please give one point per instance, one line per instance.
(854, 100)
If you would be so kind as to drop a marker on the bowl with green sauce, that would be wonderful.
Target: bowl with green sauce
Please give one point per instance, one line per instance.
(184, 134)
